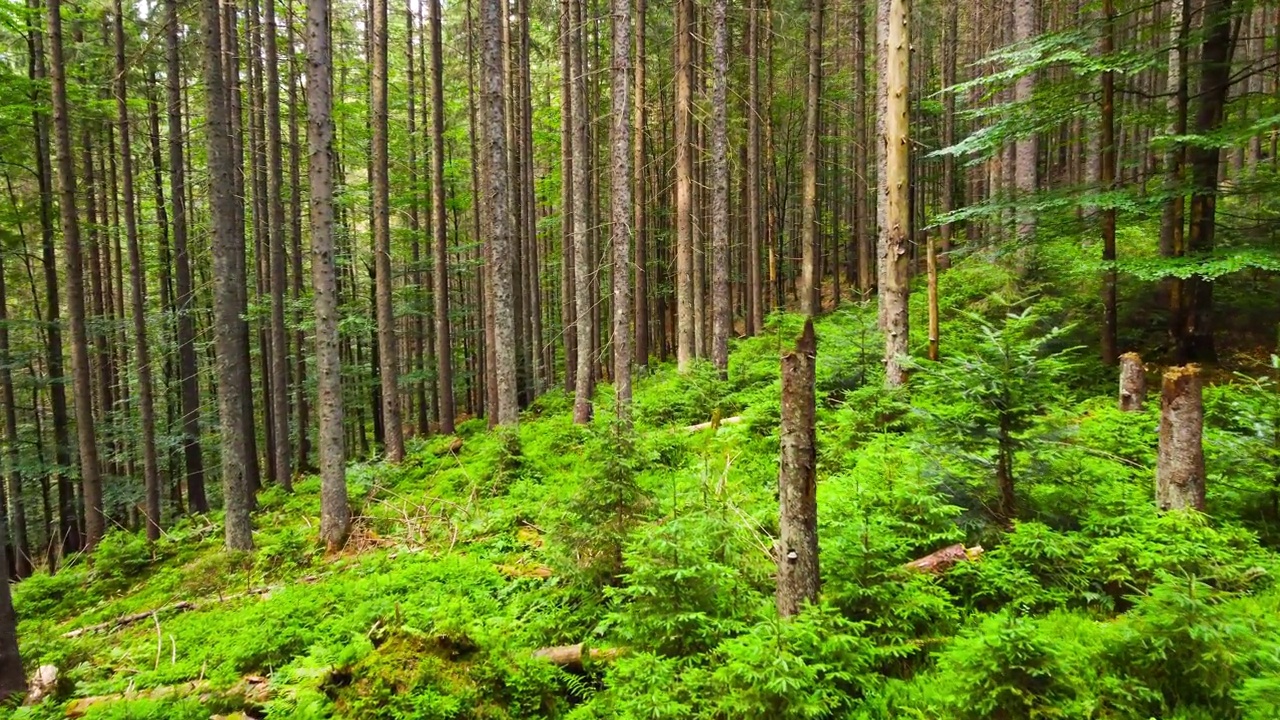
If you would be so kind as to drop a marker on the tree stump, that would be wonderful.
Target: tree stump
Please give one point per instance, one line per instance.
(1180, 466)
(797, 550)
(1133, 382)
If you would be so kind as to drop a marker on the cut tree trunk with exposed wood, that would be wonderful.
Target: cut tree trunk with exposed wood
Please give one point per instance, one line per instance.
(895, 258)
(1180, 464)
(1133, 382)
(621, 199)
(721, 303)
(90, 471)
(335, 511)
(796, 551)
(501, 248)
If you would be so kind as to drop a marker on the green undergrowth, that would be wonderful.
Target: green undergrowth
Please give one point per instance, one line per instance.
(657, 544)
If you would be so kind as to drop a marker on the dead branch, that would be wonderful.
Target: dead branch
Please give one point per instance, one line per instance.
(941, 560)
(249, 692)
(570, 656)
(712, 423)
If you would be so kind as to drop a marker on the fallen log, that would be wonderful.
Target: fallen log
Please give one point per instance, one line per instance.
(125, 620)
(941, 560)
(250, 692)
(714, 423)
(571, 656)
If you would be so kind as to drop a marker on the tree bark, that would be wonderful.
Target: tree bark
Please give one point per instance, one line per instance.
(90, 473)
(895, 259)
(440, 269)
(137, 291)
(796, 552)
(188, 370)
(584, 313)
(721, 302)
(12, 473)
(1027, 147)
(12, 678)
(755, 286)
(810, 277)
(641, 215)
(1133, 382)
(684, 185)
(231, 339)
(1180, 463)
(1172, 217)
(502, 252)
(335, 511)
(621, 199)
(1107, 181)
(283, 459)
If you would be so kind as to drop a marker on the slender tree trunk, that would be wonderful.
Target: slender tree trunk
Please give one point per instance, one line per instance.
(388, 351)
(13, 473)
(641, 200)
(301, 401)
(1107, 180)
(584, 313)
(721, 302)
(1172, 220)
(931, 259)
(684, 185)
(283, 459)
(947, 198)
(137, 292)
(621, 199)
(796, 551)
(231, 339)
(1196, 342)
(810, 272)
(444, 344)
(894, 229)
(1027, 147)
(568, 309)
(335, 512)
(755, 286)
(90, 473)
(502, 252)
(12, 680)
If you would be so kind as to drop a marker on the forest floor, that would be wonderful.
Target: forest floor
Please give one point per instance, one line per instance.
(655, 546)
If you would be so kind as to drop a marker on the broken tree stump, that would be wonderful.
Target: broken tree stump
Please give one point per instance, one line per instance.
(797, 548)
(1180, 463)
(1133, 382)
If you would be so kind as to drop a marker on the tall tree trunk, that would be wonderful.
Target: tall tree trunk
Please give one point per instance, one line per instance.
(502, 252)
(301, 401)
(1172, 216)
(137, 291)
(388, 350)
(584, 313)
(231, 337)
(796, 552)
(895, 259)
(90, 473)
(568, 309)
(283, 456)
(444, 344)
(335, 512)
(1027, 147)
(862, 157)
(948, 194)
(1195, 341)
(810, 273)
(641, 209)
(721, 303)
(684, 185)
(12, 679)
(1107, 180)
(621, 199)
(13, 474)
(755, 286)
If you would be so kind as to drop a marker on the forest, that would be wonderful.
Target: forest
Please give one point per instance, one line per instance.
(688, 360)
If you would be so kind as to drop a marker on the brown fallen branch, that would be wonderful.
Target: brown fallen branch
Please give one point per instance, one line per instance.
(712, 423)
(125, 620)
(250, 692)
(941, 560)
(571, 655)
